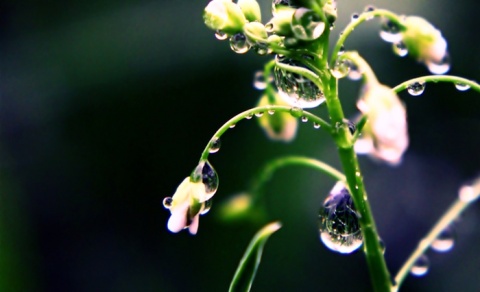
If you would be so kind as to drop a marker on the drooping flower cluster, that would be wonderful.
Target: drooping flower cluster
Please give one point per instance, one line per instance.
(192, 198)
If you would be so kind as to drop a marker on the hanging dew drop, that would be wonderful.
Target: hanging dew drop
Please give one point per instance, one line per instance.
(220, 35)
(341, 51)
(239, 43)
(304, 119)
(462, 86)
(209, 177)
(307, 25)
(340, 69)
(248, 117)
(167, 202)
(400, 49)
(259, 81)
(369, 8)
(416, 88)
(390, 32)
(295, 89)
(271, 111)
(355, 16)
(354, 72)
(206, 207)
(316, 125)
(440, 67)
(296, 112)
(259, 114)
(215, 144)
(445, 240)
(338, 221)
(420, 267)
(232, 126)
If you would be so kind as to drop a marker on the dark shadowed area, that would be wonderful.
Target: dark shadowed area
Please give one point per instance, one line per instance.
(105, 107)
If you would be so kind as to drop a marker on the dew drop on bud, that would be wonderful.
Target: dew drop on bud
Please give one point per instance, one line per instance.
(296, 112)
(420, 267)
(316, 125)
(208, 175)
(295, 89)
(239, 43)
(416, 88)
(206, 207)
(167, 202)
(440, 67)
(355, 16)
(340, 69)
(354, 73)
(400, 49)
(307, 25)
(445, 240)
(214, 146)
(304, 119)
(220, 35)
(338, 221)
(259, 114)
(462, 86)
(390, 32)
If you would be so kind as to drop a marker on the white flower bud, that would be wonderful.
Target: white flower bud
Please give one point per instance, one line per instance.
(281, 126)
(251, 10)
(225, 16)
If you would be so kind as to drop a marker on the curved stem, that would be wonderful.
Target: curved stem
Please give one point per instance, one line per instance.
(266, 173)
(264, 110)
(438, 78)
(363, 66)
(448, 217)
(302, 71)
(362, 18)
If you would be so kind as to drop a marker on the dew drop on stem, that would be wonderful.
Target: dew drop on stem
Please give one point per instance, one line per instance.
(462, 86)
(167, 202)
(390, 32)
(420, 267)
(304, 119)
(209, 177)
(445, 240)
(296, 112)
(400, 49)
(214, 146)
(239, 43)
(248, 117)
(259, 114)
(440, 67)
(316, 125)
(416, 88)
(355, 16)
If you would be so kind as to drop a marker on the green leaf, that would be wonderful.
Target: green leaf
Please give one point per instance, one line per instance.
(243, 278)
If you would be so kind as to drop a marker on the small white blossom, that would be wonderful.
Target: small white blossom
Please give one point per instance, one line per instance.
(385, 135)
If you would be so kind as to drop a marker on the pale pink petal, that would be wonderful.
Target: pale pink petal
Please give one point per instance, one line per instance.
(193, 228)
(178, 219)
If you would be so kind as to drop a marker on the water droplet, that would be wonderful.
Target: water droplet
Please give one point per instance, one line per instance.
(341, 51)
(416, 88)
(420, 268)
(167, 202)
(259, 81)
(355, 16)
(307, 25)
(304, 119)
(206, 207)
(468, 193)
(296, 112)
(445, 240)
(316, 125)
(208, 175)
(340, 69)
(248, 117)
(369, 8)
(354, 73)
(220, 35)
(271, 111)
(440, 67)
(215, 144)
(259, 114)
(277, 5)
(332, 26)
(262, 49)
(400, 49)
(390, 32)
(339, 226)
(296, 89)
(269, 27)
(462, 86)
(382, 245)
(232, 126)
(239, 43)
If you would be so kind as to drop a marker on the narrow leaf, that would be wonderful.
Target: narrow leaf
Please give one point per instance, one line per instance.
(246, 270)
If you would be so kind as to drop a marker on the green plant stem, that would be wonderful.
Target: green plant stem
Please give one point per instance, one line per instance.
(359, 127)
(272, 166)
(379, 273)
(362, 18)
(264, 110)
(438, 78)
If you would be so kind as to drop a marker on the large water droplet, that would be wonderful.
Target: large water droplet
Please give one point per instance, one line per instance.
(462, 86)
(445, 240)
(390, 32)
(420, 268)
(339, 226)
(262, 49)
(208, 176)
(340, 69)
(416, 88)
(440, 67)
(220, 35)
(167, 202)
(206, 207)
(295, 89)
(296, 112)
(215, 144)
(400, 49)
(307, 25)
(239, 43)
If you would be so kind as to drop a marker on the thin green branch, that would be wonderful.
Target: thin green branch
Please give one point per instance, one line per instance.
(438, 78)
(362, 18)
(302, 71)
(261, 110)
(448, 217)
(359, 127)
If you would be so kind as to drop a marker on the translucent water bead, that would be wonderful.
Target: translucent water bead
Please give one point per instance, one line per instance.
(338, 221)
(445, 240)
(307, 25)
(239, 43)
(390, 32)
(295, 89)
(209, 177)
(420, 267)
(416, 88)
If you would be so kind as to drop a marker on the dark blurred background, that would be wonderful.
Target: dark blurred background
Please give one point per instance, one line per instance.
(105, 106)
